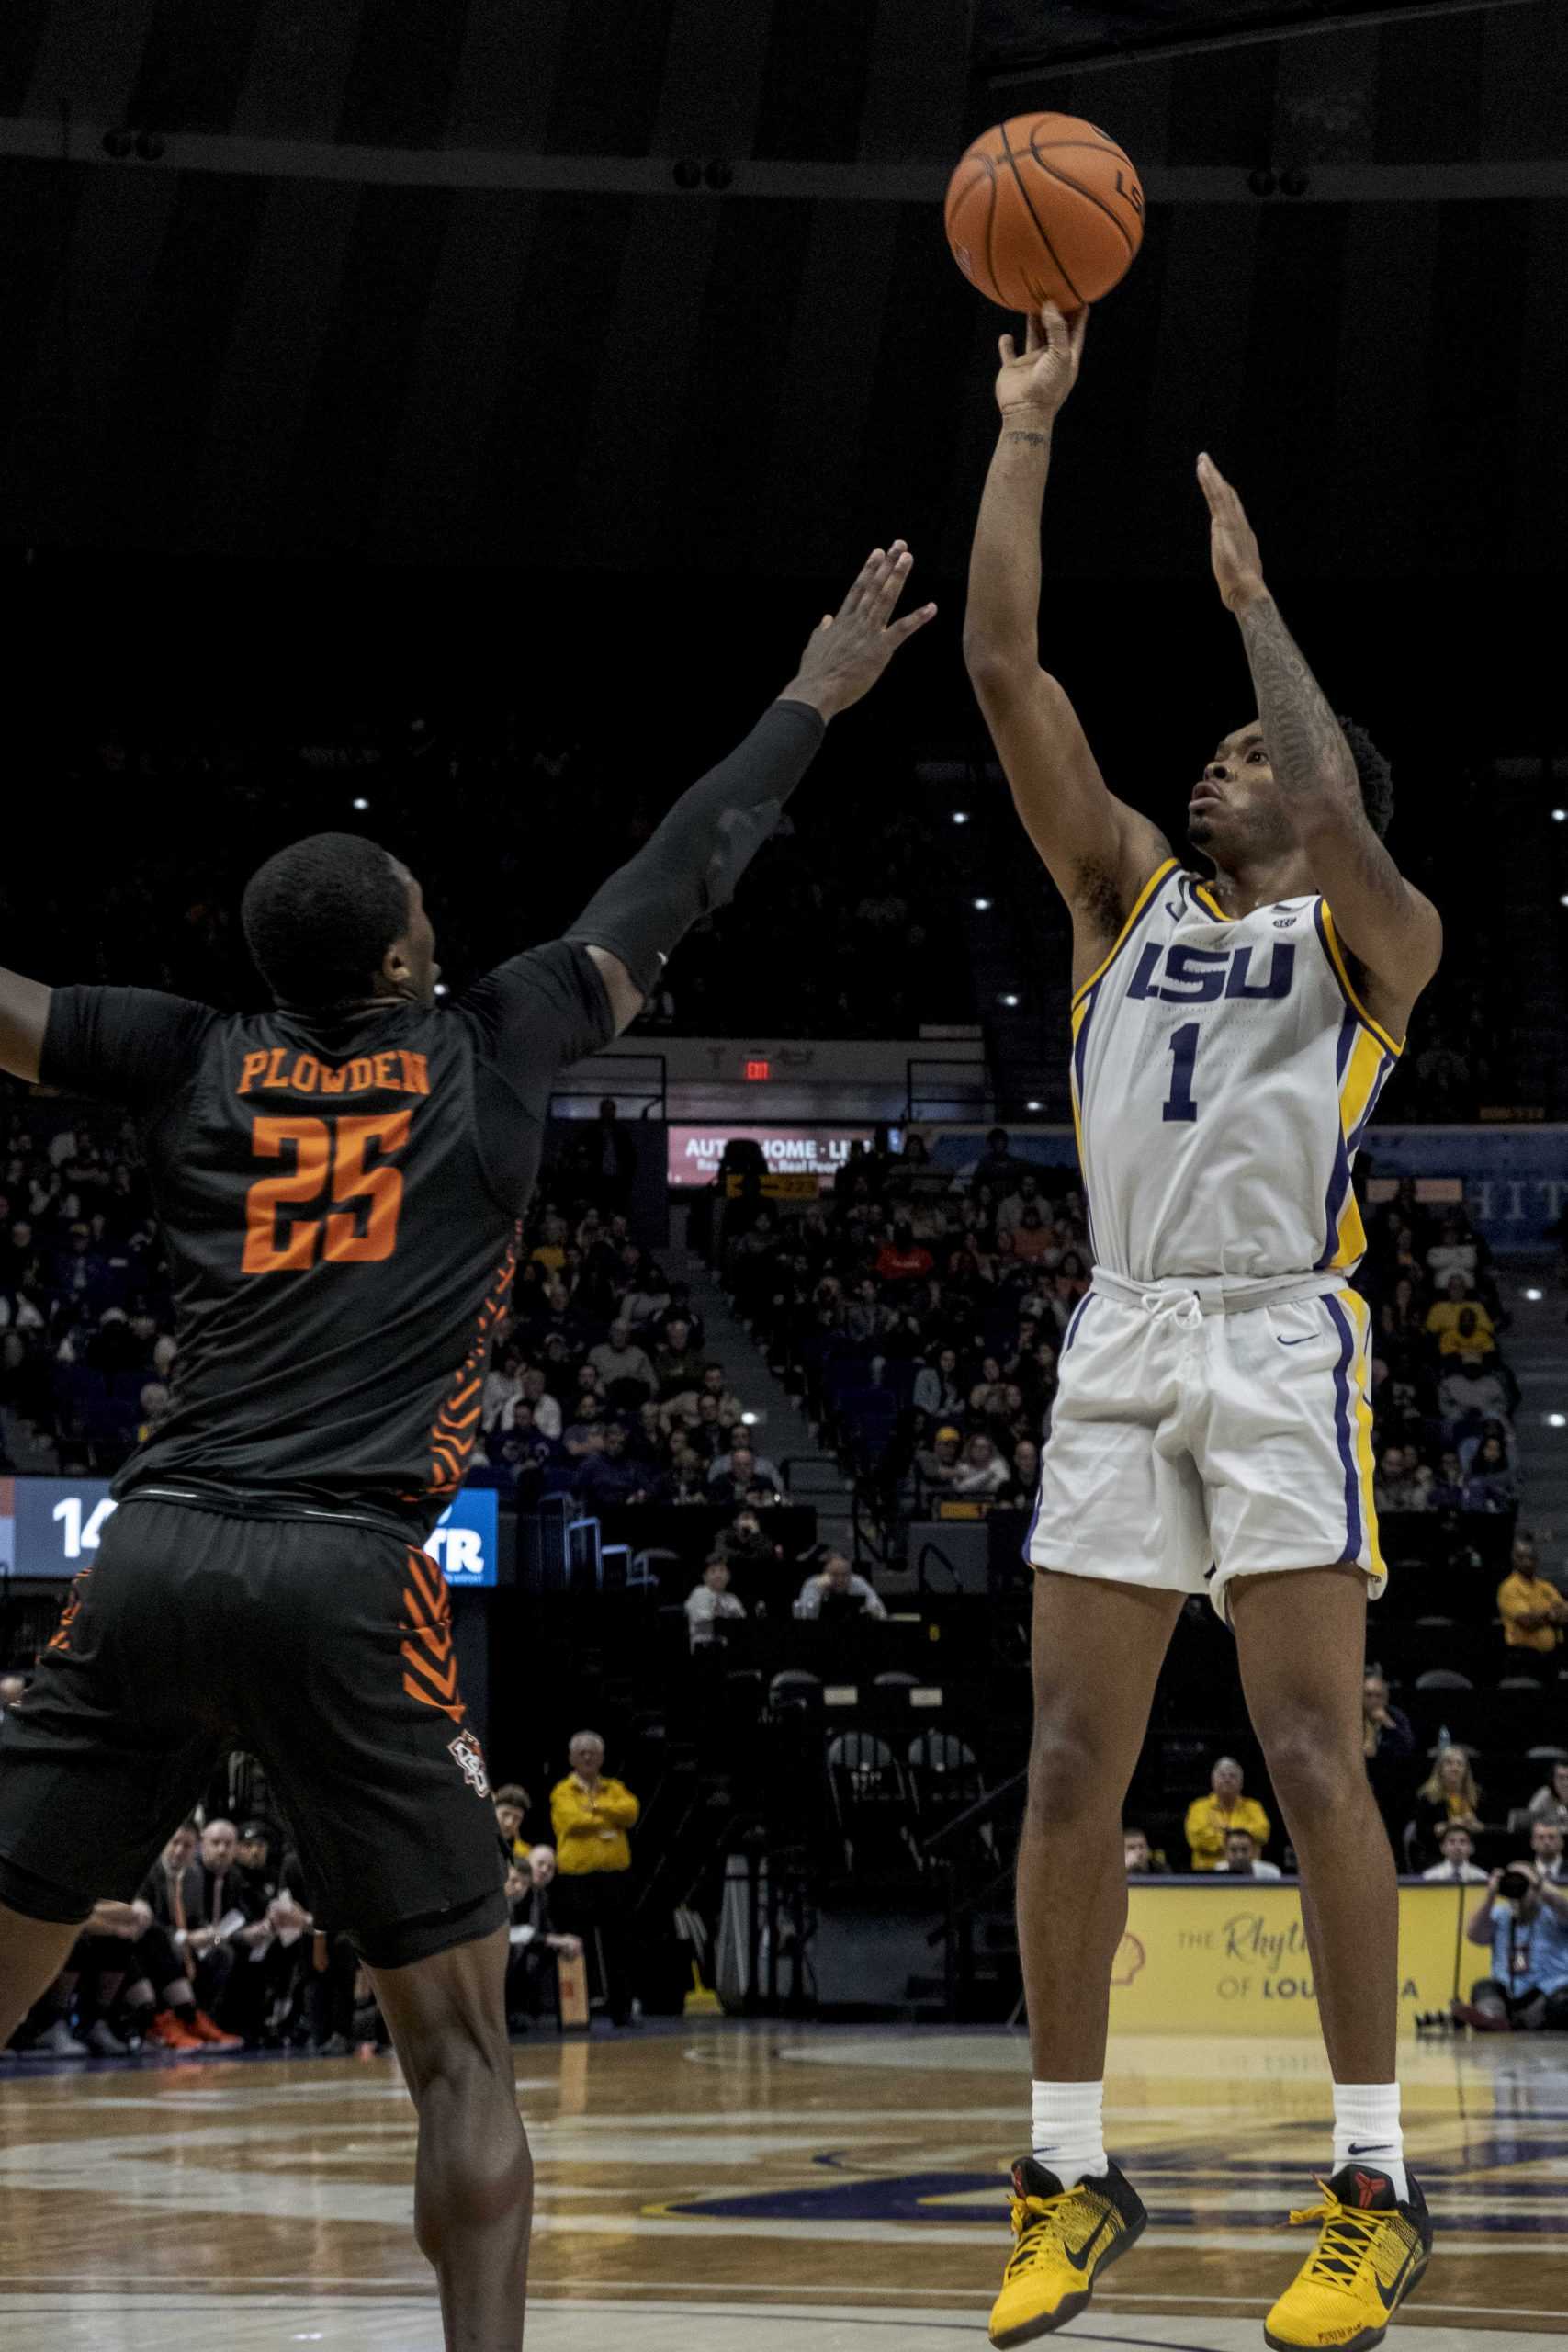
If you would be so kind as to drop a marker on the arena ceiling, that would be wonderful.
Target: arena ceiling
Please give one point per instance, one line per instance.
(1018, 35)
(375, 297)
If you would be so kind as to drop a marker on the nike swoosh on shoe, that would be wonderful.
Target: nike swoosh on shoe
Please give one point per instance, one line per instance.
(1080, 2261)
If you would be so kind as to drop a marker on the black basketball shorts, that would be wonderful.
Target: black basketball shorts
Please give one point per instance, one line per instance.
(323, 1647)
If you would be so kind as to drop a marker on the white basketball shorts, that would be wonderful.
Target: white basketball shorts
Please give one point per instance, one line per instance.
(1195, 1438)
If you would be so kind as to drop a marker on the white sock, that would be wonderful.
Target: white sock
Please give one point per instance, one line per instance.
(1068, 2136)
(1366, 2130)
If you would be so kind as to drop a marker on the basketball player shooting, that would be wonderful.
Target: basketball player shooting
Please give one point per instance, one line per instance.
(1212, 1431)
(339, 1181)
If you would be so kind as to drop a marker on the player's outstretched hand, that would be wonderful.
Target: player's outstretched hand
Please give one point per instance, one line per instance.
(1232, 542)
(1038, 378)
(848, 651)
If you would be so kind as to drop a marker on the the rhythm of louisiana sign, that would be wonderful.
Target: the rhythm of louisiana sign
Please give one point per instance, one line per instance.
(1232, 1957)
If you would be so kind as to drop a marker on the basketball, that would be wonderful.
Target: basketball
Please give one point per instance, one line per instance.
(1044, 208)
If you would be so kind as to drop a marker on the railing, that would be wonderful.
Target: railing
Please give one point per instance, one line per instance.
(965, 1849)
(649, 1086)
(935, 1552)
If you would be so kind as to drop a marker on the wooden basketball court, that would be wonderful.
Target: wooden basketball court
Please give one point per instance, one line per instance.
(717, 2186)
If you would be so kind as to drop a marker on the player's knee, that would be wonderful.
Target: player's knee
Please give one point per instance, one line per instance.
(460, 2064)
(1314, 1773)
(1068, 1779)
(474, 2148)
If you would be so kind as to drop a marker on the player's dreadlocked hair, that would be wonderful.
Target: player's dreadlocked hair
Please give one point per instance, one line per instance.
(319, 916)
(1374, 775)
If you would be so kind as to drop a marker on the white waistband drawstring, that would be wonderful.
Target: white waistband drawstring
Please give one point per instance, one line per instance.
(1184, 1309)
(1185, 1299)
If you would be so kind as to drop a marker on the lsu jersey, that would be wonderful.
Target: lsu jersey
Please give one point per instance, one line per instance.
(1224, 1071)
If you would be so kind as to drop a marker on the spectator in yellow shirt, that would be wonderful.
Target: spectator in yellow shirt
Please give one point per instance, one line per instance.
(1223, 1809)
(1533, 1611)
(1477, 1336)
(591, 1815)
(550, 1251)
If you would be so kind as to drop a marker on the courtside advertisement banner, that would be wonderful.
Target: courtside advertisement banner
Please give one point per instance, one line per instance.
(1231, 1957)
(51, 1527)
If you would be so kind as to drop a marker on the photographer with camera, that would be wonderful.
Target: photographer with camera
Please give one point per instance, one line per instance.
(1523, 1915)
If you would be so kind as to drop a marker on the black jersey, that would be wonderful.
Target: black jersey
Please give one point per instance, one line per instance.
(340, 1198)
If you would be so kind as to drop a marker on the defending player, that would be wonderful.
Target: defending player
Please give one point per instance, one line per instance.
(1211, 1429)
(339, 1182)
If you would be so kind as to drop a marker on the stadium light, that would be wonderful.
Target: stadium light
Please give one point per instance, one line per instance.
(961, 816)
(1009, 998)
(1560, 815)
(1034, 1106)
(750, 1419)
(361, 802)
(982, 906)
(440, 988)
(1557, 1420)
(1534, 1294)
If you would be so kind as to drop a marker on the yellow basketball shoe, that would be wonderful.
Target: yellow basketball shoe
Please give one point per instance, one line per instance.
(1064, 2239)
(1371, 2253)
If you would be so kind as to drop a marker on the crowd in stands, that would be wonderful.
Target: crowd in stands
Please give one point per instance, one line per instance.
(598, 1385)
(1446, 1826)
(1519, 1916)
(87, 1321)
(1442, 1395)
(221, 1947)
(923, 1314)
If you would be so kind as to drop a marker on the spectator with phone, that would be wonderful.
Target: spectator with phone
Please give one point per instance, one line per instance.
(835, 1591)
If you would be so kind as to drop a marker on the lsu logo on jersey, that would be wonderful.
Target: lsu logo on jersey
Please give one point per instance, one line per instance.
(1183, 975)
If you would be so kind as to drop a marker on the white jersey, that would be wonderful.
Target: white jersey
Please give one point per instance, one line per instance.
(1224, 1072)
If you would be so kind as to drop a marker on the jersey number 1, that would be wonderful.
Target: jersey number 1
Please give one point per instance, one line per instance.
(1178, 1102)
(329, 1162)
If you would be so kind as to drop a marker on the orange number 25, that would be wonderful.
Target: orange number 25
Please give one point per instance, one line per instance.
(329, 1157)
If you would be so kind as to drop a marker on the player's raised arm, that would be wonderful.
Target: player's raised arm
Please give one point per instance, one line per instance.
(633, 924)
(1097, 850)
(24, 1017)
(1393, 930)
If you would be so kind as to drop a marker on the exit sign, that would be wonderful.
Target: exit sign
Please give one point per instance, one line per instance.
(759, 1069)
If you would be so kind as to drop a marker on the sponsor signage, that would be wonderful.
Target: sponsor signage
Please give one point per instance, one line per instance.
(1230, 1956)
(52, 1527)
(463, 1542)
(812, 1151)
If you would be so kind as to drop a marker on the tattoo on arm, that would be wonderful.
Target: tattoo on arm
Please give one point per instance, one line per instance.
(1034, 440)
(1314, 763)
(1306, 742)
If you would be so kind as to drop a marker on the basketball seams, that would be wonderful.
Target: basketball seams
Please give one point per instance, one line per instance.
(1098, 201)
(1041, 230)
(1032, 244)
(991, 228)
(983, 178)
(1095, 146)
